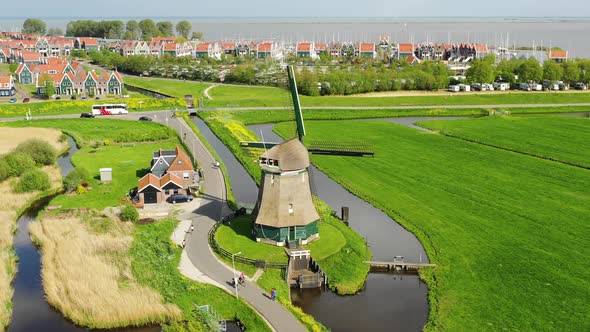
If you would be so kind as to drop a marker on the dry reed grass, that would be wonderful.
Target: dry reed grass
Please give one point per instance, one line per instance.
(87, 273)
(11, 202)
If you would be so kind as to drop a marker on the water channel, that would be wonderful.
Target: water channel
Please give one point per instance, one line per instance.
(31, 312)
(388, 301)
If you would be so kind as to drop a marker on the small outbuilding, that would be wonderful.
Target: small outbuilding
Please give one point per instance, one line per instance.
(106, 175)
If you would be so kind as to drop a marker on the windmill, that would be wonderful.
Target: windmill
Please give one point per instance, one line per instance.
(285, 213)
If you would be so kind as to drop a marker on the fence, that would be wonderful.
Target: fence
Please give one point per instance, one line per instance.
(219, 250)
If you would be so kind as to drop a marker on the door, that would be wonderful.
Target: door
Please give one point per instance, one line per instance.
(150, 198)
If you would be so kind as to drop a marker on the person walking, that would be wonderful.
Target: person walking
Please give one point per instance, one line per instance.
(183, 243)
(273, 294)
(192, 228)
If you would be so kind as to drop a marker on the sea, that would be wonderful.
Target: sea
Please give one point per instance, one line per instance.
(570, 34)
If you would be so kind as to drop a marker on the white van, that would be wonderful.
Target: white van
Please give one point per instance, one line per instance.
(454, 88)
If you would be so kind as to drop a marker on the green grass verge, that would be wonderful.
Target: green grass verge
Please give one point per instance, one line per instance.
(506, 230)
(55, 107)
(155, 264)
(247, 96)
(560, 138)
(170, 87)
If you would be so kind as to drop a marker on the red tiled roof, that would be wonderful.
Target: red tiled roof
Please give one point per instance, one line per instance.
(88, 40)
(304, 47)
(5, 79)
(20, 68)
(169, 177)
(203, 47)
(118, 76)
(481, 48)
(228, 46)
(147, 180)
(320, 47)
(264, 47)
(170, 47)
(93, 75)
(367, 47)
(406, 48)
(557, 54)
(163, 39)
(411, 59)
(181, 163)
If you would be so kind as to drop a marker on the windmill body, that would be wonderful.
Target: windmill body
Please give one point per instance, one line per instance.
(285, 212)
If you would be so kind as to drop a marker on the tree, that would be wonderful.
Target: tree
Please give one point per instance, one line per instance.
(34, 26)
(129, 213)
(165, 28)
(529, 70)
(571, 72)
(132, 30)
(48, 86)
(552, 71)
(183, 28)
(481, 71)
(197, 35)
(148, 29)
(55, 32)
(41, 152)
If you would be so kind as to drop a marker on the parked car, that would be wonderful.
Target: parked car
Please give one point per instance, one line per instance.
(12, 100)
(524, 87)
(454, 88)
(145, 118)
(86, 115)
(580, 86)
(73, 98)
(177, 198)
(487, 87)
(562, 86)
(476, 87)
(83, 98)
(26, 100)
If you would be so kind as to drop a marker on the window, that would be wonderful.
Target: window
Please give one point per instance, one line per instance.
(176, 191)
(185, 175)
(291, 209)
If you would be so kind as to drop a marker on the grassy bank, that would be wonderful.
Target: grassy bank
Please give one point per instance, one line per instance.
(560, 138)
(54, 107)
(170, 87)
(505, 229)
(88, 277)
(13, 204)
(155, 264)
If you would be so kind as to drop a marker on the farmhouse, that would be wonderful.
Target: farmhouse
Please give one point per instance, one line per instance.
(284, 211)
(171, 172)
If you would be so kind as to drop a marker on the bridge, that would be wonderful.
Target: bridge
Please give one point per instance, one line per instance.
(397, 266)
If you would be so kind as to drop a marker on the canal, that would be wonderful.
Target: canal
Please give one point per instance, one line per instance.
(386, 300)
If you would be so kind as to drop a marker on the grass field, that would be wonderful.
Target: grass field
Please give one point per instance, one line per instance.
(507, 231)
(234, 96)
(155, 264)
(88, 276)
(175, 88)
(55, 107)
(560, 138)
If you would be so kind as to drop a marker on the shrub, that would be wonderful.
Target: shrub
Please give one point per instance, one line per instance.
(17, 163)
(81, 189)
(75, 178)
(31, 180)
(41, 152)
(4, 170)
(129, 213)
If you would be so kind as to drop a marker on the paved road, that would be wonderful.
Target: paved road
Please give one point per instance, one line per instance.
(212, 207)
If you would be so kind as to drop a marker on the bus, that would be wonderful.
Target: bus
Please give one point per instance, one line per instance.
(109, 109)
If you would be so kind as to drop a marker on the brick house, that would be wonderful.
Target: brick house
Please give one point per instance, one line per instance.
(171, 172)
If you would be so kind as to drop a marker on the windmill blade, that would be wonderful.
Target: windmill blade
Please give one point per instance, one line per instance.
(355, 149)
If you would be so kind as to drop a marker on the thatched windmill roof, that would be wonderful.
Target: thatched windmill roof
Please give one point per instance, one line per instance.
(291, 155)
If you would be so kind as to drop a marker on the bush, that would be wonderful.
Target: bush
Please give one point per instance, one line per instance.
(75, 178)
(17, 163)
(32, 180)
(129, 213)
(80, 189)
(41, 152)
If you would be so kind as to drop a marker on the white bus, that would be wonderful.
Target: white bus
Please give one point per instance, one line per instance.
(109, 109)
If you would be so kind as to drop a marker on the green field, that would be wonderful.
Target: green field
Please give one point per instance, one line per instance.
(235, 96)
(97, 138)
(507, 231)
(560, 138)
(55, 107)
(171, 87)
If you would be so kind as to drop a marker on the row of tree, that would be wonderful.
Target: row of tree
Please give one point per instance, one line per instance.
(114, 29)
(522, 70)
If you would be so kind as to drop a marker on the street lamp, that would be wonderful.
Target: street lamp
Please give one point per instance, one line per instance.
(233, 263)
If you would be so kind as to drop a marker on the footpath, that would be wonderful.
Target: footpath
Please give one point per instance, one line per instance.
(206, 267)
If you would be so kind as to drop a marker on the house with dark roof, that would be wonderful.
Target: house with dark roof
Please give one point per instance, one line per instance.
(171, 172)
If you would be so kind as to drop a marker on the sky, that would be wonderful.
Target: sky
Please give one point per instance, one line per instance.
(295, 8)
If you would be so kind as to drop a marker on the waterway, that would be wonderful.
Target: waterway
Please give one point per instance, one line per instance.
(386, 300)
(31, 312)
